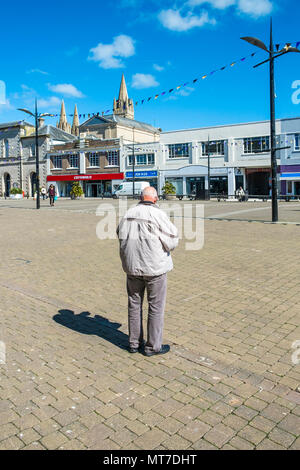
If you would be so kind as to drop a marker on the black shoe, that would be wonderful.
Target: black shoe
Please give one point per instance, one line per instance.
(163, 350)
(135, 350)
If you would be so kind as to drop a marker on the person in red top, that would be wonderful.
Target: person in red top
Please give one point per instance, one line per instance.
(51, 192)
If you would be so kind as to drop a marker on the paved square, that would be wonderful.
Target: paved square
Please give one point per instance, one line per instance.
(232, 316)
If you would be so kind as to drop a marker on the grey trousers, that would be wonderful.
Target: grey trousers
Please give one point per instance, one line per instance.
(156, 287)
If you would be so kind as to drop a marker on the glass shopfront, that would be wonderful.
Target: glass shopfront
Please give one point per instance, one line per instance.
(218, 184)
(98, 189)
(178, 183)
(196, 187)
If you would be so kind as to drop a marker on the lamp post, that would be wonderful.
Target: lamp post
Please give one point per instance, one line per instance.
(272, 56)
(208, 169)
(133, 163)
(36, 115)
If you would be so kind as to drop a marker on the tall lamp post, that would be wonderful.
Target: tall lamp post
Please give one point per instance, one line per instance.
(208, 168)
(36, 115)
(133, 164)
(272, 56)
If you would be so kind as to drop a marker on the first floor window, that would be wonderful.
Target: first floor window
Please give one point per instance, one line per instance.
(215, 147)
(256, 144)
(57, 161)
(297, 142)
(94, 159)
(73, 161)
(179, 150)
(142, 159)
(113, 158)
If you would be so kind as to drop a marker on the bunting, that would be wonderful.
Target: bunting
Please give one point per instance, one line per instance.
(178, 87)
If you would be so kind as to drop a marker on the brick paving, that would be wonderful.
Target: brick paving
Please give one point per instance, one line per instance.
(232, 315)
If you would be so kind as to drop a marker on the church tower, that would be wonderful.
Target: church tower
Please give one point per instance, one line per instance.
(75, 125)
(63, 123)
(123, 106)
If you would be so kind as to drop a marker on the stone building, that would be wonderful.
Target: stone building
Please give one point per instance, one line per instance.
(96, 156)
(17, 154)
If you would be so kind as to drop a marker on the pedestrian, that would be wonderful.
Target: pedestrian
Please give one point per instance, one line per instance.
(146, 237)
(240, 194)
(51, 192)
(43, 192)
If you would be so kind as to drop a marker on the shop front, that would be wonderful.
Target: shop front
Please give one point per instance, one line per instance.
(290, 180)
(94, 185)
(258, 181)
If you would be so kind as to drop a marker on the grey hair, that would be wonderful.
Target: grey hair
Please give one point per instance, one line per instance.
(149, 191)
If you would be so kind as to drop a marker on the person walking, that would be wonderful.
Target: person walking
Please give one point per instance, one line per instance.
(51, 192)
(146, 238)
(43, 192)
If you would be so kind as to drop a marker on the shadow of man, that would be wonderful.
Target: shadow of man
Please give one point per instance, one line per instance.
(96, 325)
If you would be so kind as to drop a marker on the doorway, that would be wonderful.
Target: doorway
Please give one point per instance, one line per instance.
(7, 183)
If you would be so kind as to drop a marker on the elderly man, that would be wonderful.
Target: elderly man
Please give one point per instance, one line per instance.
(146, 238)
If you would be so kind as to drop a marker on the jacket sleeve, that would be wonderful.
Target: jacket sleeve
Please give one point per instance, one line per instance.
(168, 233)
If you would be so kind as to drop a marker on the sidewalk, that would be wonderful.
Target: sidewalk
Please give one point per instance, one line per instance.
(232, 315)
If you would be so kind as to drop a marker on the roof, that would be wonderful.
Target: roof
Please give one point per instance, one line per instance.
(54, 133)
(15, 124)
(122, 121)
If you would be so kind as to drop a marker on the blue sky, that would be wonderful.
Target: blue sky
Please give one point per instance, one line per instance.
(78, 52)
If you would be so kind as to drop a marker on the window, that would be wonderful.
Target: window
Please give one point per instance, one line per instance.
(256, 144)
(215, 147)
(57, 161)
(179, 150)
(113, 158)
(73, 161)
(6, 148)
(94, 159)
(297, 142)
(32, 150)
(142, 159)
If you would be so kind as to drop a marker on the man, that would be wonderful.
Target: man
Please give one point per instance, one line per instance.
(146, 238)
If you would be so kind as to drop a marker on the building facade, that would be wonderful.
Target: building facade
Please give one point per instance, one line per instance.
(239, 156)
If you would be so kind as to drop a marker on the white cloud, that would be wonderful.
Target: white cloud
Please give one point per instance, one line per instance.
(108, 55)
(53, 102)
(37, 71)
(255, 8)
(66, 89)
(159, 68)
(186, 91)
(173, 20)
(220, 4)
(142, 80)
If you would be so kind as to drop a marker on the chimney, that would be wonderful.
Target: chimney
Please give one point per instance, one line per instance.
(41, 122)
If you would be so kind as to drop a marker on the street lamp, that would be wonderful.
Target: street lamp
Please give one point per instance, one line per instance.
(36, 115)
(208, 168)
(272, 55)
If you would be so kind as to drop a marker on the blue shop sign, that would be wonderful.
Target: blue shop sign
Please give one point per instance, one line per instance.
(141, 174)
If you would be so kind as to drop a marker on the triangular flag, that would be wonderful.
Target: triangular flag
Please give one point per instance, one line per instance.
(194, 81)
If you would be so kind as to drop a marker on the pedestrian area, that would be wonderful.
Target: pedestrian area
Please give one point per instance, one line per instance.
(232, 377)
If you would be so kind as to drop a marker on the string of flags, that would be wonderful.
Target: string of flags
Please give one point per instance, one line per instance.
(178, 87)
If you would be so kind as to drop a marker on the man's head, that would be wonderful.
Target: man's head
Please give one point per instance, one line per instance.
(149, 194)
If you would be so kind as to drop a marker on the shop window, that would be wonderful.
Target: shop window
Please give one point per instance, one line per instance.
(257, 144)
(297, 142)
(179, 150)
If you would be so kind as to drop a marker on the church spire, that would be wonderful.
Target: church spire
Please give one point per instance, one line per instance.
(123, 106)
(123, 95)
(63, 123)
(75, 125)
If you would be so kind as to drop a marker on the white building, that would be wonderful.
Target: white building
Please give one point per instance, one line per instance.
(239, 156)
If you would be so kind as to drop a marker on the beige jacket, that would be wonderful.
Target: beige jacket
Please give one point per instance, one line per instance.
(146, 237)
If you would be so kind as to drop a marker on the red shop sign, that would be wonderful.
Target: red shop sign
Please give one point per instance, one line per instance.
(95, 176)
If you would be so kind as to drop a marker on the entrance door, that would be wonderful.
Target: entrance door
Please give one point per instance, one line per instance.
(200, 188)
(258, 183)
(94, 190)
(33, 183)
